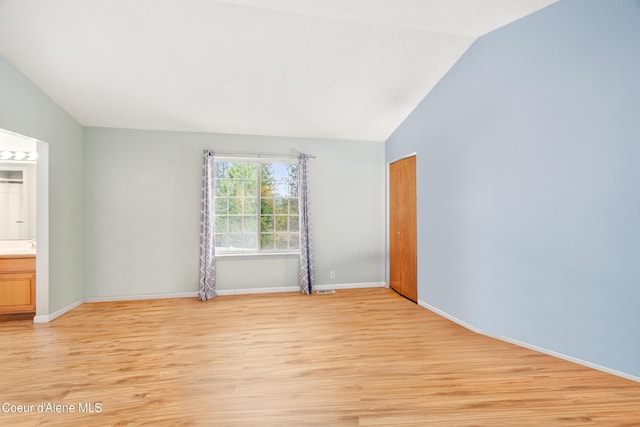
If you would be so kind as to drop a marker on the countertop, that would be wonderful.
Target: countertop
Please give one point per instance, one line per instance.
(17, 249)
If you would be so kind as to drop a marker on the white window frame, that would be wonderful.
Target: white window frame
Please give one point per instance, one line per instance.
(256, 252)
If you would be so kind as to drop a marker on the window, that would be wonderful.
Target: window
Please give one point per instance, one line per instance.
(256, 206)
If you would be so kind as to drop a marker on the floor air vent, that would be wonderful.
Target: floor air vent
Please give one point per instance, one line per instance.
(326, 291)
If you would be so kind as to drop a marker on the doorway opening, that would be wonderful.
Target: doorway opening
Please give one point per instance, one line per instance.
(26, 162)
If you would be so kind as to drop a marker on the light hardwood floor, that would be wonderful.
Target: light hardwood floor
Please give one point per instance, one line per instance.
(358, 357)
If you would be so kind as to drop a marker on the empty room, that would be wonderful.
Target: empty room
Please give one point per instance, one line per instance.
(331, 213)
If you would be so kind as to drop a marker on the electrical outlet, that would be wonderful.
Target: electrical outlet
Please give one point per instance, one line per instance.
(332, 275)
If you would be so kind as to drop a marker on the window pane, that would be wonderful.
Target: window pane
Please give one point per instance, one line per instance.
(221, 241)
(282, 188)
(293, 206)
(250, 224)
(235, 206)
(282, 241)
(281, 171)
(250, 206)
(281, 206)
(294, 240)
(250, 241)
(281, 223)
(220, 169)
(266, 223)
(236, 170)
(235, 188)
(222, 224)
(251, 171)
(267, 172)
(250, 188)
(293, 172)
(221, 206)
(267, 189)
(267, 241)
(293, 189)
(235, 241)
(293, 223)
(220, 187)
(266, 206)
(235, 224)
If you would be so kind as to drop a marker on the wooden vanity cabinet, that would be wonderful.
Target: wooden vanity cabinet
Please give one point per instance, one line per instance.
(17, 285)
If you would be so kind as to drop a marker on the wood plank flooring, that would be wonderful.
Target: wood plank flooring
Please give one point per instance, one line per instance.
(354, 358)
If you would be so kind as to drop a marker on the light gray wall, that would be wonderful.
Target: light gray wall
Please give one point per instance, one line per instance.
(26, 110)
(529, 212)
(142, 214)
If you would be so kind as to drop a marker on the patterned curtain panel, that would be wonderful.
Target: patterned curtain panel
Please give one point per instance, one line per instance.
(207, 244)
(305, 274)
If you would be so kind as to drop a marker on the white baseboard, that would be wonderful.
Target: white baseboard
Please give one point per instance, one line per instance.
(361, 285)
(116, 298)
(527, 345)
(450, 317)
(297, 289)
(49, 317)
(225, 292)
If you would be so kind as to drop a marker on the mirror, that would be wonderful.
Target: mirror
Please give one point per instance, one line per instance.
(17, 187)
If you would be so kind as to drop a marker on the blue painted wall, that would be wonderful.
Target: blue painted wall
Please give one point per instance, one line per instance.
(528, 183)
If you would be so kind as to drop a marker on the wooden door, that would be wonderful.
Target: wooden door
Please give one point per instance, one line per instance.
(403, 228)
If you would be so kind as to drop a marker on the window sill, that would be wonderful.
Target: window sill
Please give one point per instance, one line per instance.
(256, 254)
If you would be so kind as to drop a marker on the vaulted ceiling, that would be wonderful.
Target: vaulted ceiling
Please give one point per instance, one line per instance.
(344, 69)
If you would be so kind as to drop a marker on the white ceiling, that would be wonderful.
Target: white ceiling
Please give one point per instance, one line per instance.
(343, 69)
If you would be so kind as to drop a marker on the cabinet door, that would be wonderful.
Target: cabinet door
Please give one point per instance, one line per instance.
(17, 293)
